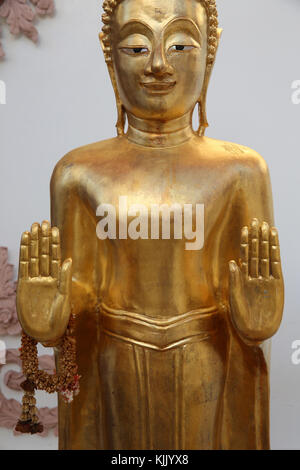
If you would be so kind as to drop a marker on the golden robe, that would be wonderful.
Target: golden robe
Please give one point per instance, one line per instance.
(162, 365)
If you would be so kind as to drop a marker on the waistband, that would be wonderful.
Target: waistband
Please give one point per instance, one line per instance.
(162, 333)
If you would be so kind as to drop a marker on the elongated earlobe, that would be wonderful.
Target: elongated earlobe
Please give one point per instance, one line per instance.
(120, 108)
(120, 125)
(203, 123)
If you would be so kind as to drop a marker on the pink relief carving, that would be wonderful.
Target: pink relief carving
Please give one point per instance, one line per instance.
(9, 412)
(9, 324)
(13, 379)
(10, 408)
(21, 14)
(7, 286)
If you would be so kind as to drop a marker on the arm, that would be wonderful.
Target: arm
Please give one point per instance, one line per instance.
(70, 213)
(46, 287)
(256, 290)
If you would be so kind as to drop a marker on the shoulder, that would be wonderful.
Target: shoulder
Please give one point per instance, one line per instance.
(237, 157)
(79, 161)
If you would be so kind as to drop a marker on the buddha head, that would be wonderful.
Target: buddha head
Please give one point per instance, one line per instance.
(160, 56)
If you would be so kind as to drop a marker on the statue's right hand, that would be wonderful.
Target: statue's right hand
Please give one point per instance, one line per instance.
(44, 286)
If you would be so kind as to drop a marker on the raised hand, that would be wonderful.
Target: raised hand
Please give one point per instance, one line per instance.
(256, 286)
(44, 286)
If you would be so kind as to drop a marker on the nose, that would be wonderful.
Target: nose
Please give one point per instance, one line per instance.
(158, 64)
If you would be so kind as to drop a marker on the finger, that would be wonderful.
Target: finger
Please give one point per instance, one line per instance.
(65, 280)
(254, 248)
(55, 253)
(45, 248)
(24, 256)
(244, 251)
(275, 254)
(34, 250)
(264, 250)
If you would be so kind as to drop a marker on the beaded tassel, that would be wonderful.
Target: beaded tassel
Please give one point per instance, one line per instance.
(29, 421)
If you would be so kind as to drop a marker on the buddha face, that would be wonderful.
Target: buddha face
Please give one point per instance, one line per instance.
(159, 56)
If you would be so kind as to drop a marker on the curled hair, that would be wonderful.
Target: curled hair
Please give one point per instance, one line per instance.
(109, 7)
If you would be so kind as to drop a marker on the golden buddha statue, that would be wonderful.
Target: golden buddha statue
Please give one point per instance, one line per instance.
(171, 342)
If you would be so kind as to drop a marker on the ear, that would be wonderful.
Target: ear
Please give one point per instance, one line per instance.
(203, 123)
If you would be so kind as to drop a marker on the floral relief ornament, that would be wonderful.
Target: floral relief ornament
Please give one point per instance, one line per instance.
(9, 324)
(20, 16)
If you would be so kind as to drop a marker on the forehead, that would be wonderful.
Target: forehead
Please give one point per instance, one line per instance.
(158, 13)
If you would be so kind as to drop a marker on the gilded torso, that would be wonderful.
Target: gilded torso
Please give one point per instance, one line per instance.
(161, 277)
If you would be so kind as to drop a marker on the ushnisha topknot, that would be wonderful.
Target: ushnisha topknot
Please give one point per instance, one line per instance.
(210, 6)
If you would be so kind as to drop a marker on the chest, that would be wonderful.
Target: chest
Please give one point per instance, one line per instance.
(159, 180)
(158, 199)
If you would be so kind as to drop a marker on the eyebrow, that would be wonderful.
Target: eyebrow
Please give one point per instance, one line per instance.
(189, 25)
(140, 27)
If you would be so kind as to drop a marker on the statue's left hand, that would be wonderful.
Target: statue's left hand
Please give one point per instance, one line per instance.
(256, 287)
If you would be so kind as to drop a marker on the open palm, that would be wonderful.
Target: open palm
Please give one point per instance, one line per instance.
(44, 286)
(256, 286)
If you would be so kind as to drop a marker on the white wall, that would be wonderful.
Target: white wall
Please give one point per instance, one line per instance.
(59, 97)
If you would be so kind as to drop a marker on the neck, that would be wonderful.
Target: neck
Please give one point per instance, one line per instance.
(157, 133)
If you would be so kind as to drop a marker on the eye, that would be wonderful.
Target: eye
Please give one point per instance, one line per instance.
(180, 48)
(135, 50)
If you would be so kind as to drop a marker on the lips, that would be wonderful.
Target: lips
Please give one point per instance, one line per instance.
(158, 87)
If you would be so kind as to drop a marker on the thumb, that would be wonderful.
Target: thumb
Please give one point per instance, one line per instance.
(235, 289)
(65, 277)
(234, 277)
